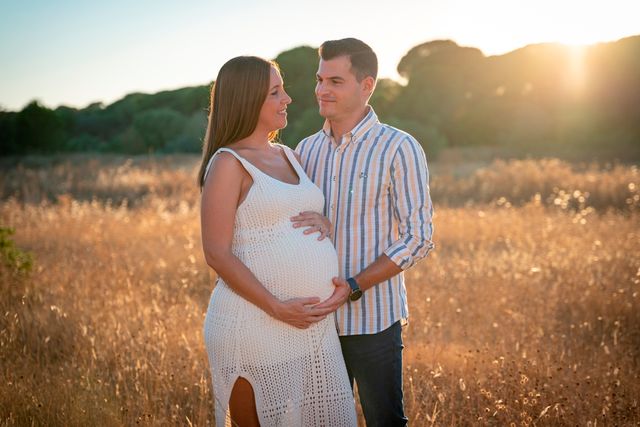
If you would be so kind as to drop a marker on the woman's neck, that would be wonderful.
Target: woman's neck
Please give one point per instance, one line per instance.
(255, 141)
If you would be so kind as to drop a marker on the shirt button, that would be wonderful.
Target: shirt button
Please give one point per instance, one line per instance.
(333, 178)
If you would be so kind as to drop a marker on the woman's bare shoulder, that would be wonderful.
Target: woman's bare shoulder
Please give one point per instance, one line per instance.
(225, 166)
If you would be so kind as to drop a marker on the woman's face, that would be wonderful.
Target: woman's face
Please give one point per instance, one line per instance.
(273, 114)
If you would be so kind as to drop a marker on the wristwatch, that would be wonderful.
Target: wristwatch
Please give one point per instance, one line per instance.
(356, 292)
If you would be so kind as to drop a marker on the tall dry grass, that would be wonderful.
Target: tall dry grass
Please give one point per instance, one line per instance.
(527, 313)
(137, 180)
(552, 181)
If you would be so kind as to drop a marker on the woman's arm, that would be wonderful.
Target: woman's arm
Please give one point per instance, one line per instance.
(224, 189)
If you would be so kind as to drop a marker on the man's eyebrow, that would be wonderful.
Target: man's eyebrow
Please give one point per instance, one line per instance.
(334, 78)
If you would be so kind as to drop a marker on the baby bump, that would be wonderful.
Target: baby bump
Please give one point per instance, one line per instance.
(238, 334)
(295, 265)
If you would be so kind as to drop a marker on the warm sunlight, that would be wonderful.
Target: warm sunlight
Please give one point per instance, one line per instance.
(575, 24)
(581, 36)
(456, 242)
(497, 27)
(576, 72)
(117, 54)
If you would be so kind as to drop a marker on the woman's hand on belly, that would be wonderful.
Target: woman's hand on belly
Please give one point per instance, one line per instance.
(300, 312)
(314, 222)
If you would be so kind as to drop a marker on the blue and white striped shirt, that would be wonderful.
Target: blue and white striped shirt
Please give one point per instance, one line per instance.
(376, 187)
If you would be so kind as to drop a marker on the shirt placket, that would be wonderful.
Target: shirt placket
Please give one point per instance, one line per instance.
(331, 202)
(337, 157)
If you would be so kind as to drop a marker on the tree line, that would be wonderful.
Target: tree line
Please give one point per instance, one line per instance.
(546, 97)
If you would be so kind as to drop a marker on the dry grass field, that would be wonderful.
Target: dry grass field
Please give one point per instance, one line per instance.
(527, 313)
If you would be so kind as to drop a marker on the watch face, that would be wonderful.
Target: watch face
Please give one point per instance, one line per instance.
(355, 295)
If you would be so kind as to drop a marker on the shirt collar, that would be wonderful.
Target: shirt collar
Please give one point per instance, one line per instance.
(370, 119)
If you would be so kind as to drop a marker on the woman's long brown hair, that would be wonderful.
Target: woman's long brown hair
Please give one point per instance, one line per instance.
(236, 99)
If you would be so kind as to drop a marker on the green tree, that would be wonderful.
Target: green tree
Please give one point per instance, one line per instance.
(8, 140)
(308, 123)
(299, 67)
(129, 141)
(431, 140)
(158, 127)
(190, 140)
(384, 98)
(440, 76)
(85, 142)
(39, 130)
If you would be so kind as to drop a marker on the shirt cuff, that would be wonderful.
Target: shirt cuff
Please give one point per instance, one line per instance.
(399, 253)
(403, 256)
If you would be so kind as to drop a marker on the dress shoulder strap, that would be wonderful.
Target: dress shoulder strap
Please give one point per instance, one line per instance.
(244, 162)
(293, 160)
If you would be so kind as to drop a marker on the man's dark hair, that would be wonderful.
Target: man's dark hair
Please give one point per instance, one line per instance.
(364, 61)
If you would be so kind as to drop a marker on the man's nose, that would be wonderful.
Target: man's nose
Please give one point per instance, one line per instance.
(320, 88)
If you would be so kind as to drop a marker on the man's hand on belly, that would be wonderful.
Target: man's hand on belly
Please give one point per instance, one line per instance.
(339, 296)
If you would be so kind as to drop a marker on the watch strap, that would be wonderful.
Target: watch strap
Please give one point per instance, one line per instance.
(353, 284)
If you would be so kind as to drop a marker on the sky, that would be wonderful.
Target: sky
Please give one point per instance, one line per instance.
(74, 52)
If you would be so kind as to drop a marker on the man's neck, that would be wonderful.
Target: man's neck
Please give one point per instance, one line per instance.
(341, 127)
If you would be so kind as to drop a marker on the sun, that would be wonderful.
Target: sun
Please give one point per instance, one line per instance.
(499, 26)
(576, 37)
(581, 23)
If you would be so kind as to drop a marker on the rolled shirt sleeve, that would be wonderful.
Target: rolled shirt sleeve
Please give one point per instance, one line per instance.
(411, 205)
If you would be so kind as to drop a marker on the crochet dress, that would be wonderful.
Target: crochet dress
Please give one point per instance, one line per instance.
(298, 375)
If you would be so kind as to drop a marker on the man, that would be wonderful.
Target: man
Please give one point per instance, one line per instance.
(375, 181)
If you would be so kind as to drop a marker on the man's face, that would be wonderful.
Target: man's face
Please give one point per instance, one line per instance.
(339, 93)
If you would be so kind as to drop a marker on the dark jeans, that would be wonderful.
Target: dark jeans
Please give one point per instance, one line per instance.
(375, 362)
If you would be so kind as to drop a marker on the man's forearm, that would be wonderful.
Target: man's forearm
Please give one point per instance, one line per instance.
(378, 271)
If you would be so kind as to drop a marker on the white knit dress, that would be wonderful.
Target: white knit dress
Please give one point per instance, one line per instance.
(298, 375)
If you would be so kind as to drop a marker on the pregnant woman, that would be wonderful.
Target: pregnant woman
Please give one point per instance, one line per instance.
(274, 355)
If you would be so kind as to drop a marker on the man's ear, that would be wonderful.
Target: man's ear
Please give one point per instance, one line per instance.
(368, 84)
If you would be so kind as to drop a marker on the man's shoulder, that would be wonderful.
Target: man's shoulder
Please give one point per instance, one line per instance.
(309, 139)
(394, 136)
